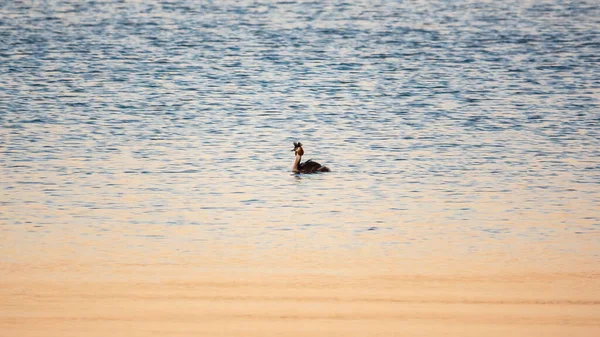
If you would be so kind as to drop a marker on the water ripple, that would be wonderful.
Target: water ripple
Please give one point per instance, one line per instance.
(435, 117)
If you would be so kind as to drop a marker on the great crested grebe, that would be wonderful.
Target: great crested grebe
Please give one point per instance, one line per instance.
(308, 166)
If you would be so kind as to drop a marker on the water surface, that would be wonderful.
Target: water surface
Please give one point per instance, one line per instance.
(464, 129)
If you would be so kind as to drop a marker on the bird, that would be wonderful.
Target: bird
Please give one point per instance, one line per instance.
(308, 166)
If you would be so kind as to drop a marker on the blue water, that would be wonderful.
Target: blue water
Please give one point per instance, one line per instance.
(478, 120)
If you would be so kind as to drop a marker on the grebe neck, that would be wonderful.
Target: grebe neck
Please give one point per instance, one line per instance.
(296, 163)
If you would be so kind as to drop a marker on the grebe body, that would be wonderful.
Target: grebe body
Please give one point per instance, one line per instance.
(308, 166)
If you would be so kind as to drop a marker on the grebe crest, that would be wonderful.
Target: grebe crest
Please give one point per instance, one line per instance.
(308, 166)
(298, 149)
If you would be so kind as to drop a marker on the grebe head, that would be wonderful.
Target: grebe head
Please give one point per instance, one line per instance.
(298, 149)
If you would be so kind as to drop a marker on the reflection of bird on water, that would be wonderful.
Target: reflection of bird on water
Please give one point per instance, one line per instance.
(308, 166)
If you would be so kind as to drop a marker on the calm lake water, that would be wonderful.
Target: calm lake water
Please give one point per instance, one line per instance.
(469, 128)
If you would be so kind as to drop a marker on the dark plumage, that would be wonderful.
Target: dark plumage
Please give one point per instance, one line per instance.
(310, 166)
